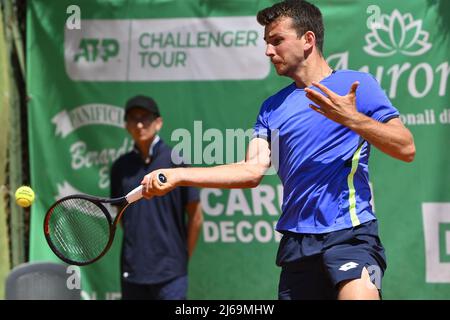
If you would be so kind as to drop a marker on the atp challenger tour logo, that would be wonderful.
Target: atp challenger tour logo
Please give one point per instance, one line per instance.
(166, 50)
(91, 50)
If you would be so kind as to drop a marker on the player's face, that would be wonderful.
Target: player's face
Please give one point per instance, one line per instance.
(284, 48)
(142, 125)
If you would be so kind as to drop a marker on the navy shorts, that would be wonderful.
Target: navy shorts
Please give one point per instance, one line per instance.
(174, 289)
(314, 264)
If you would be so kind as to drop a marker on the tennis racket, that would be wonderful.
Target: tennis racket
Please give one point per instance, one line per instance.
(79, 228)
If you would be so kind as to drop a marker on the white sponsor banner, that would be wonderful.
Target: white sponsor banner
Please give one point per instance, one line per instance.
(436, 223)
(220, 48)
(98, 51)
(95, 113)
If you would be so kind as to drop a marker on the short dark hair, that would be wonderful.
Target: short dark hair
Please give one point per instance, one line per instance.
(305, 17)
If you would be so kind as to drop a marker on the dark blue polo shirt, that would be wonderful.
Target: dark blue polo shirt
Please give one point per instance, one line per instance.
(154, 246)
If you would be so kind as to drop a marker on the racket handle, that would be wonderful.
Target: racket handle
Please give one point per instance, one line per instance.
(134, 195)
(162, 178)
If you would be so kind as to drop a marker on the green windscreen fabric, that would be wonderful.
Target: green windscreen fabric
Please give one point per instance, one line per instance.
(204, 62)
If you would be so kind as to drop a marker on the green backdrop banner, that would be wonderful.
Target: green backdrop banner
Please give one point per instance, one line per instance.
(204, 62)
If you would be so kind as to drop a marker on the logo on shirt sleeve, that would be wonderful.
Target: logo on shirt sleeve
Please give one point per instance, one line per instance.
(347, 266)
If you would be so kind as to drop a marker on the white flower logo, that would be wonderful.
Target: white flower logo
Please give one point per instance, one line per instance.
(397, 33)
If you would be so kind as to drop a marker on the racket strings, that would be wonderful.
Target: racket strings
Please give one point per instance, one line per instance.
(79, 229)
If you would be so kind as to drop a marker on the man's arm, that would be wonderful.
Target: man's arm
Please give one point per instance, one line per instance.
(245, 174)
(392, 137)
(194, 224)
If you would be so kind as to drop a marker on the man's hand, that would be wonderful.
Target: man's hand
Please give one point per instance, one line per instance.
(341, 109)
(154, 187)
(391, 137)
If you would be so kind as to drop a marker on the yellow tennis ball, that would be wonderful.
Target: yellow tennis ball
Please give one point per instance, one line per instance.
(24, 196)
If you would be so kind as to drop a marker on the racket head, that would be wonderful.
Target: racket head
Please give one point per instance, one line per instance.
(78, 229)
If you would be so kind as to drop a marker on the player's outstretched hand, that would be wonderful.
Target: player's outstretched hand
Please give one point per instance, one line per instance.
(158, 182)
(341, 109)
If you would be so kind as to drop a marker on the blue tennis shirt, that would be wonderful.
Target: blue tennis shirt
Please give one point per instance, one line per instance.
(323, 165)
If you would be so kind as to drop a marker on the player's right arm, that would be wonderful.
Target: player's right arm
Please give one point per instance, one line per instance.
(244, 174)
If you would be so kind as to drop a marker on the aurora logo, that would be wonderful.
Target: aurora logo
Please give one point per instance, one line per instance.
(397, 33)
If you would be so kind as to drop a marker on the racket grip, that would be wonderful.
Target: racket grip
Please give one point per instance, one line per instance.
(134, 195)
(162, 179)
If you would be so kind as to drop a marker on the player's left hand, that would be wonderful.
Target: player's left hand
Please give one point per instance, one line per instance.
(341, 109)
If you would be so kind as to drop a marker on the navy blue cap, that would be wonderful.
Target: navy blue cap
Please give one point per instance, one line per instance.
(142, 102)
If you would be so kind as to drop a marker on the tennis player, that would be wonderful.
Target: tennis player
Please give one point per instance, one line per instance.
(325, 122)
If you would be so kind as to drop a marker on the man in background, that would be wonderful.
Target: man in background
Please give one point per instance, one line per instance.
(158, 239)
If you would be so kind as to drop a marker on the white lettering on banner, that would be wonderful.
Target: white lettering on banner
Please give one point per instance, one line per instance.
(263, 198)
(395, 72)
(445, 71)
(427, 117)
(436, 225)
(67, 121)
(399, 33)
(166, 50)
(263, 201)
(209, 209)
(242, 231)
(84, 158)
(103, 177)
(237, 202)
(405, 72)
(428, 71)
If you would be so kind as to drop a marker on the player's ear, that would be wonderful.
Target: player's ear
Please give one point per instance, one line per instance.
(128, 126)
(158, 123)
(310, 40)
